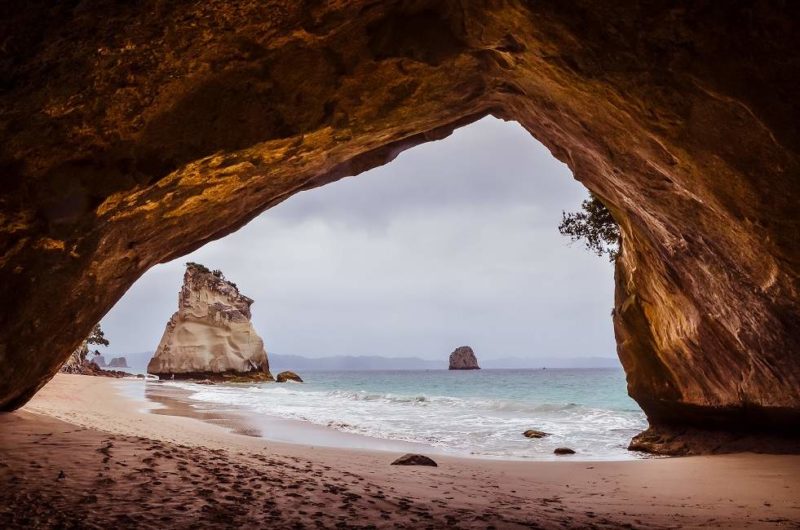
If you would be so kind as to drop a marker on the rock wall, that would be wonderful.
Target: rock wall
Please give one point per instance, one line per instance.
(76, 362)
(463, 358)
(211, 334)
(133, 134)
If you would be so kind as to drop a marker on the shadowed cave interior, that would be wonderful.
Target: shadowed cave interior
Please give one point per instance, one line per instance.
(134, 137)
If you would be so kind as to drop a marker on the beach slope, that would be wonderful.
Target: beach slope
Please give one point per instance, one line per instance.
(82, 454)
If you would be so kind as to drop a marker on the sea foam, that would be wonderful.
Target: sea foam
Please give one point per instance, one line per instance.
(479, 413)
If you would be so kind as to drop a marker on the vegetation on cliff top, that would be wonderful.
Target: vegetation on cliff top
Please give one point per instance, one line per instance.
(595, 226)
(96, 337)
(216, 272)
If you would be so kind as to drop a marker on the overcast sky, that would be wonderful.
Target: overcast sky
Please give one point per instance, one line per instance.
(455, 242)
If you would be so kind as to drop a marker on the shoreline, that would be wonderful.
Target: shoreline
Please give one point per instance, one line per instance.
(360, 414)
(177, 401)
(70, 423)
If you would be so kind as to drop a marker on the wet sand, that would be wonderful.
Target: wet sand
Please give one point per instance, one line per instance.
(174, 401)
(84, 454)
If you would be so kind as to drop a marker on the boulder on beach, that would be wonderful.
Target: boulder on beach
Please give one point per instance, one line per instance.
(564, 451)
(533, 433)
(414, 460)
(463, 358)
(211, 335)
(288, 375)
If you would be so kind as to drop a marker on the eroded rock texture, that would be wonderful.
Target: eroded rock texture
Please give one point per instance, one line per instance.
(135, 132)
(463, 358)
(210, 335)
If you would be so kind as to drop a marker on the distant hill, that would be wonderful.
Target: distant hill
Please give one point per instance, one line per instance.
(551, 362)
(278, 362)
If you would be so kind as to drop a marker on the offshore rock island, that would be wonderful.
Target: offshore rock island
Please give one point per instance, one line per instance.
(210, 336)
(463, 358)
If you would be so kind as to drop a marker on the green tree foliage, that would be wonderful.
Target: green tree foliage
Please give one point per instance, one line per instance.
(199, 266)
(595, 226)
(97, 336)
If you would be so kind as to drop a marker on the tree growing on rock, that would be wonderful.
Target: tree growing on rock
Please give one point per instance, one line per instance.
(96, 337)
(76, 362)
(595, 226)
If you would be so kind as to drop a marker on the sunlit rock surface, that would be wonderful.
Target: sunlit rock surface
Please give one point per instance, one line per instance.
(210, 336)
(134, 133)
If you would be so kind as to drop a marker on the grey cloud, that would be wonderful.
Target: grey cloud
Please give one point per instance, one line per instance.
(455, 242)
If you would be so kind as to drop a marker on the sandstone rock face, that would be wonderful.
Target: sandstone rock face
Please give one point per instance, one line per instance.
(76, 362)
(132, 134)
(463, 358)
(211, 334)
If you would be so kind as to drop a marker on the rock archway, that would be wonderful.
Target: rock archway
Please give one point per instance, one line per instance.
(133, 134)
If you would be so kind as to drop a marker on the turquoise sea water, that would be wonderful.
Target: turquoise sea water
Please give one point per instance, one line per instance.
(479, 412)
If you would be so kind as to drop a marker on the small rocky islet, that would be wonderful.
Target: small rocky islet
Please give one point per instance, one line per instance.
(463, 358)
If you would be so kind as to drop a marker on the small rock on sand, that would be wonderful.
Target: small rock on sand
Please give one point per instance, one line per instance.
(564, 451)
(533, 433)
(414, 460)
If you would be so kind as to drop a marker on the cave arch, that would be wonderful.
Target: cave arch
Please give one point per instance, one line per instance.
(455, 240)
(134, 134)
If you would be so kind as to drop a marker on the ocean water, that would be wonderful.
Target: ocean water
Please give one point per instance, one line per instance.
(481, 413)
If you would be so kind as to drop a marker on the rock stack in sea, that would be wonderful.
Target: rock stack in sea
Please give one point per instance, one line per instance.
(77, 363)
(98, 359)
(463, 358)
(211, 335)
(118, 362)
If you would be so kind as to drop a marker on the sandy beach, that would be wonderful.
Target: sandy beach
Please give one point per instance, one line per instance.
(84, 454)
